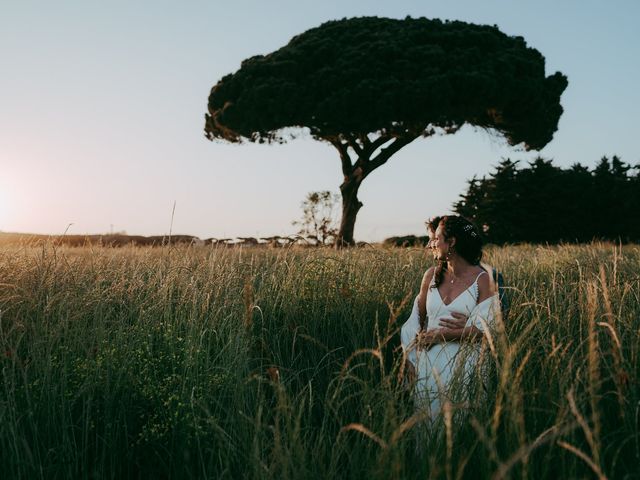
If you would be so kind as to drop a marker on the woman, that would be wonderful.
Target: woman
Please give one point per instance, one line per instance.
(496, 277)
(457, 302)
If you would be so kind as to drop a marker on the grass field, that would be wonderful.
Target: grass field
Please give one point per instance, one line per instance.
(181, 362)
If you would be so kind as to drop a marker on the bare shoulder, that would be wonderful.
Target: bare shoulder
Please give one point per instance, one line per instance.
(424, 287)
(426, 278)
(485, 286)
(426, 281)
(486, 267)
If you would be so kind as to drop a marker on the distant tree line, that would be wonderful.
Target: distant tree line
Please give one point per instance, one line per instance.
(406, 241)
(123, 240)
(545, 203)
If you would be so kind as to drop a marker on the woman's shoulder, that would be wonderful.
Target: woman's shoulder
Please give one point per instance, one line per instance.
(483, 277)
(428, 275)
(487, 268)
(485, 284)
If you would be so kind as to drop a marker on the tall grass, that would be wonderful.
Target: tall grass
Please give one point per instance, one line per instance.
(248, 363)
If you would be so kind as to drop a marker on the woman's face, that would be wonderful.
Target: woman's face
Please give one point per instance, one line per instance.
(439, 245)
(432, 240)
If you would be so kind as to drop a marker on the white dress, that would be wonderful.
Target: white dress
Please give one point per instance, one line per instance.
(444, 370)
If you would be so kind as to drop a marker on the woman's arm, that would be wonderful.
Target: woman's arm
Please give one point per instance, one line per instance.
(422, 296)
(446, 334)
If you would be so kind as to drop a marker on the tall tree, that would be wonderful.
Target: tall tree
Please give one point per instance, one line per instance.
(370, 86)
(580, 222)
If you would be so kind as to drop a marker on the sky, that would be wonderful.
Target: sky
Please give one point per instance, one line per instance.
(102, 111)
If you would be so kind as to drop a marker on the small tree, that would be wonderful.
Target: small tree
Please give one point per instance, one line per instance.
(318, 217)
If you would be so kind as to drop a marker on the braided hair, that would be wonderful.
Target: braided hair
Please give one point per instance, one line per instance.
(468, 243)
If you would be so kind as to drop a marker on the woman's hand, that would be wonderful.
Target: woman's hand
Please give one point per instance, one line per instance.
(456, 328)
(458, 322)
(452, 329)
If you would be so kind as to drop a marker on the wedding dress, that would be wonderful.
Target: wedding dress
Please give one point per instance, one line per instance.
(444, 370)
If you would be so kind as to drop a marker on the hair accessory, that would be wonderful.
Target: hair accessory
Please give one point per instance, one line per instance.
(470, 230)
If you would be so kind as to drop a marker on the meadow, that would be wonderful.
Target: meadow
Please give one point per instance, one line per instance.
(205, 362)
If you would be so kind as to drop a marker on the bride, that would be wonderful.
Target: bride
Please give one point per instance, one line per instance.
(456, 306)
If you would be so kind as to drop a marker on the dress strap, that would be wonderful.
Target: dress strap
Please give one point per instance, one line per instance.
(483, 271)
(475, 285)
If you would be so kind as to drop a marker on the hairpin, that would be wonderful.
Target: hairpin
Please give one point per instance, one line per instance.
(470, 230)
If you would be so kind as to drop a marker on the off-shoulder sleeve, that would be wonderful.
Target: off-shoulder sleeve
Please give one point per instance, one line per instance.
(409, 331)
(484, 314)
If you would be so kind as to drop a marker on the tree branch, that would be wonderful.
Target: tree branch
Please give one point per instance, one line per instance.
(378, 142)
(387, 152)
(347, 166)
(364, 140)
(353, 143)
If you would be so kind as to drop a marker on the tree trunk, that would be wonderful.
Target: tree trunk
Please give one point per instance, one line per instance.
(355, 172)
(350, 207)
